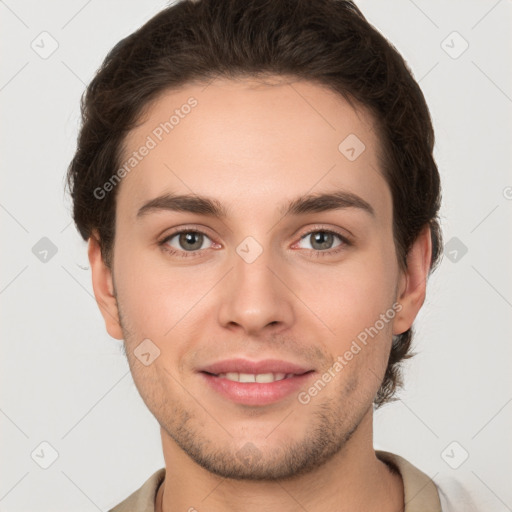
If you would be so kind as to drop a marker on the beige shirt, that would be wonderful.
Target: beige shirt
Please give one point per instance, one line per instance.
(420, 492)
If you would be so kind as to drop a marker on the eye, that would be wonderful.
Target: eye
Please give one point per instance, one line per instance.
(185, 241)
(322, 240)
(189, 242)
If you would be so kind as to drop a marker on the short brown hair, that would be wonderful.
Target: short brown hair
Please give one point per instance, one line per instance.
(329, 42)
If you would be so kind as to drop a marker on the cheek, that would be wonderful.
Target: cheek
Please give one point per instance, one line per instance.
(158, 301)
(348, 297)
(351, 297)
(145, 294)
(356, 301)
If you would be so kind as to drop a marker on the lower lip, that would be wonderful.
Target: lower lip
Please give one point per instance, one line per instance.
(256, 393)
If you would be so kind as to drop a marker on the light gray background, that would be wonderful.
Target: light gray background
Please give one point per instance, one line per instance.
(64, 381)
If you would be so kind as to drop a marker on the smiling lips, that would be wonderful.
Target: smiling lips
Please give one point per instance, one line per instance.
(244, 366)
(262, 378)
(255, 382)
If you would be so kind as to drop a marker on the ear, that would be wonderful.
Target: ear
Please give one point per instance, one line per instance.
(103, 286)
(413, 282)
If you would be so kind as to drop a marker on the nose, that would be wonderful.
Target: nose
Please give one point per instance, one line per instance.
(255, 297)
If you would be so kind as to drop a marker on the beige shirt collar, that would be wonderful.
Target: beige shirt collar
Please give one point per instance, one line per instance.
(420, 492)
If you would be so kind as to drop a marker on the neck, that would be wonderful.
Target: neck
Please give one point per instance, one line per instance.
(353, 479)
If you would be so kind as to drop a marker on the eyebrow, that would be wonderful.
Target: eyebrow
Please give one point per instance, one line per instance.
(202, 205)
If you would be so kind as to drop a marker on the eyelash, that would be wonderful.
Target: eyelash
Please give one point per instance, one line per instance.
(191, 254)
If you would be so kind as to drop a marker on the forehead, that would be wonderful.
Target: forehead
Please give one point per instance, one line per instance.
(251, 144)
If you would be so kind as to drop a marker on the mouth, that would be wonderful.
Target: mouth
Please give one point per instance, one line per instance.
(261, 378)
(255, 383)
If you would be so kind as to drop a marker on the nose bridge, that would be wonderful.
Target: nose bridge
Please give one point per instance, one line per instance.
(254, 296)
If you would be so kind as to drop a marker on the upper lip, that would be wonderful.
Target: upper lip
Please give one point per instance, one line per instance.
(255, 367)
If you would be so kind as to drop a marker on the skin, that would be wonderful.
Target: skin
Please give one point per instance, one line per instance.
(254, 146)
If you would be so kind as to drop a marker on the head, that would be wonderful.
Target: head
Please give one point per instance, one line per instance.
(255, 106)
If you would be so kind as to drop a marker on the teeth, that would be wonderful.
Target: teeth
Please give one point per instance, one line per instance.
(250, 377)
(268, 377)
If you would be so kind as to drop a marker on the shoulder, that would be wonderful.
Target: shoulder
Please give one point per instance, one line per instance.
(143, 499)
(454, 496)
(420, 491)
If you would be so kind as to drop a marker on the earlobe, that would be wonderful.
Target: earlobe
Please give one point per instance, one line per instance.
(103, 286)
(413, 282)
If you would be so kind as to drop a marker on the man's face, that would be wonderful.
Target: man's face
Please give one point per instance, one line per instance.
(256, 285)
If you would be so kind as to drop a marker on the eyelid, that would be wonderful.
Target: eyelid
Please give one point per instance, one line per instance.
(345, 239)
(203, 230)
(186, 228)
